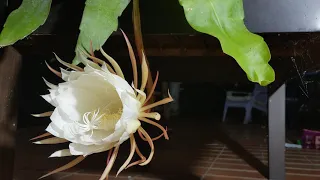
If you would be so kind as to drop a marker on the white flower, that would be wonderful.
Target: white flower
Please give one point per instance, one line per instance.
(96, 110)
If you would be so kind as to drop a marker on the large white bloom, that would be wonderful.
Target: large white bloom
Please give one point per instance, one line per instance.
(96, 110)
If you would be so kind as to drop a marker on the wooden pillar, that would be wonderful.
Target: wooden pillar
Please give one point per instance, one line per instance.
(10, 62)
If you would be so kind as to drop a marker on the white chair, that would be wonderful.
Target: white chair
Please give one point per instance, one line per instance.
(172, 108)
(257, 99)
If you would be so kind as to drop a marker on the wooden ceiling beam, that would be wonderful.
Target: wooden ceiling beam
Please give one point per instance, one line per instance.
(170, 45)
(196, 56)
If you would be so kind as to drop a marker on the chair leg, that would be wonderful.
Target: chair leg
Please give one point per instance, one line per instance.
(247, 117)
(225, 113)
(166, 107)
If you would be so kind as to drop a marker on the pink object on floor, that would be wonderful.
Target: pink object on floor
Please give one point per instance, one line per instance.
(311, 139)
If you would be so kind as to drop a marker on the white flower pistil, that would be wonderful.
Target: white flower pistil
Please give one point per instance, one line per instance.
(91, 121)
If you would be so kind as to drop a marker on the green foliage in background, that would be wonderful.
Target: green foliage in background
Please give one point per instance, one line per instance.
(99, 20)
(224, 20)
(24, 20)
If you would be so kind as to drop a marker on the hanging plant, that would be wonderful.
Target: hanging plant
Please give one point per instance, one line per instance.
(96, 109)
(224, 20)
(219, 18)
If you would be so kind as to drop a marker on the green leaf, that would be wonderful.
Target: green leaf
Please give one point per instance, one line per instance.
(224, 20)
(99, 20)
(24, 20)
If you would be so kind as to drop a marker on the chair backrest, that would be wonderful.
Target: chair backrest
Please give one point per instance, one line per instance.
(260, 94)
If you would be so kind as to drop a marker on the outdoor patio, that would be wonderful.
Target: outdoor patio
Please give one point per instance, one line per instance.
(206, 150)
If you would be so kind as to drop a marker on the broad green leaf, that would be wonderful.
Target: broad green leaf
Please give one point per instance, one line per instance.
(99, 20)
(24, 20)
(224, 20)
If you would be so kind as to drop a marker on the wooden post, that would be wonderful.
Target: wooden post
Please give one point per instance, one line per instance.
(10, 62)
(277, 134)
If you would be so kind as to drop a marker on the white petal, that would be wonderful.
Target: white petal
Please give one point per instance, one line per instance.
(50, 85)
(61, 153)
(116, 135)
(59, 119)
(130, 101)
(119, 83)
(63, 86)
(54, 130)
(53, 95)
(142, 96)
(124, 137)
(88, 63)
(75, 102)
(48, 98)
(90, 69)
(74, 75)
(104, 67)
(132, 126)
(65, 74)
(96, 137)
(72, 133)
(79, 149)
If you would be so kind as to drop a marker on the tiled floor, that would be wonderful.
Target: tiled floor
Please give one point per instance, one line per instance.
(218, 162)
(195, 151)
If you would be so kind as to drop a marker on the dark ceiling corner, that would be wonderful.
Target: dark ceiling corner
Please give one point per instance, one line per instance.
(3, 11)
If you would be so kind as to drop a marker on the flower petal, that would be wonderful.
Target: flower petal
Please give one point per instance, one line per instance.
(61, 153)
(65, 167)
(114, 137)
(85, 150)
(48, 98)
(119, 83)
(124, 137)
(53, 140)
(65, 74)
(50, 85)
(132, 126)
(54, 130)
(59, 118)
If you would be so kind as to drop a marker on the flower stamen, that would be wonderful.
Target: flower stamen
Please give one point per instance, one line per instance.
(45, 114)
(91, 49)
(153, 139)
(109, 155)
(161, 102)
(113, 62)
(53, 70)
(91, 123)
(99, 61)
(142, 158)
(76, 68)
(160, 136)
(133, 147)
(151, 146)
(153, 115)
(65, 167)
(133, 60)
(155, 124)
(110, 164)
(152, 89)
(53, 140)
(41, 136)
(144, 73)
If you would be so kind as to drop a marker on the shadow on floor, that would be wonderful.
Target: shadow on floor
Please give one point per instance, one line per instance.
(174, 158)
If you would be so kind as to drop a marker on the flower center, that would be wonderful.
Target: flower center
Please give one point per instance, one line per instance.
(109, 120)
(102, 120)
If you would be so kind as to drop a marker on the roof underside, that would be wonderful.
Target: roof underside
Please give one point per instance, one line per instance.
(171, 43)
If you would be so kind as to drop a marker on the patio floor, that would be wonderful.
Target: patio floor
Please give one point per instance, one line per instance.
(201, 150)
